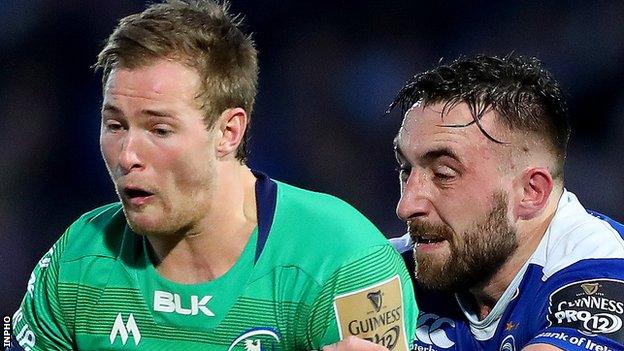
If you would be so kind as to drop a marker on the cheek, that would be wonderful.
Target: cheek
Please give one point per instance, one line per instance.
(465, 206)
(189, 169)
(108, 148)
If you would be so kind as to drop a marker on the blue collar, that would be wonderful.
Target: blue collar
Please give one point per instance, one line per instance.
(266, 200)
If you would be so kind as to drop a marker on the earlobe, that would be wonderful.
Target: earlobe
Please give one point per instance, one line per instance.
(537, 185)
(232, 124)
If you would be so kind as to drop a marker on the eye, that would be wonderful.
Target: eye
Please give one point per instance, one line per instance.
(113, 126)
(445, 174)
(162, 130)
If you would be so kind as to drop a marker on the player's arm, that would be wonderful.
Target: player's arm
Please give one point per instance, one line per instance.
(371, 297)
(582, 313)
(38, 323)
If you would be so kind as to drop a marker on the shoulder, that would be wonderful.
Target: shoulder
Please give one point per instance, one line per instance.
(579, 272)
(96, 233)
(327, 217)
(321, 235)
(316, 205)
(576, 236)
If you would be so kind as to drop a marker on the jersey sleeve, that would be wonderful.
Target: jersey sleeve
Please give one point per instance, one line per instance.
(370, 296)
(39, 323)
(585, 308)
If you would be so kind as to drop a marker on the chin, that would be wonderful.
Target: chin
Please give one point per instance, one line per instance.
(431, 273)
(142, 227)
(144, 223)
(438, 271)
(433, 260)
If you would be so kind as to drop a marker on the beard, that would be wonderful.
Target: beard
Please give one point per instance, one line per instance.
(475, 255)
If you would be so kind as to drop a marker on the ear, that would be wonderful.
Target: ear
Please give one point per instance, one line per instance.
(536, 186)
(232, 126)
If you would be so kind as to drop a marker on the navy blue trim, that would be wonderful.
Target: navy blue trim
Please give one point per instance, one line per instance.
(266, 200)
(14, 345)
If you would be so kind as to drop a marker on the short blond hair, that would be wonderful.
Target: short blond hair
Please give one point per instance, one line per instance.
(200, 34)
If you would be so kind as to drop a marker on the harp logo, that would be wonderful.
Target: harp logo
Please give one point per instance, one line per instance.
(376, 299)
(590, 288)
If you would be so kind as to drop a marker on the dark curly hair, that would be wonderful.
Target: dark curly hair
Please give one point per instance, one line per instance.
(521, 92)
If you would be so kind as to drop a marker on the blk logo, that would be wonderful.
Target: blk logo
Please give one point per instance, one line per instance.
(125, 329)
(167, 302)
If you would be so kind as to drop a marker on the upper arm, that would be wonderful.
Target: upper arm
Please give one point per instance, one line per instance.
(370, 296)
(39, 323)
(581, 312)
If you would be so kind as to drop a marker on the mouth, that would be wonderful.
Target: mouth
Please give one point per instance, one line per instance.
(136, 195)
(427, 241)
(424, 239)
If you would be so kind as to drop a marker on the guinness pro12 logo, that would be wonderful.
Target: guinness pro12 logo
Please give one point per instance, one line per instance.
(374, 313)
(591, 306)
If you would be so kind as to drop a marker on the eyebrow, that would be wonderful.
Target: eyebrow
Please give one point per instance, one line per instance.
(110, 108)
(434, 154)
(157, 113)
(148, 112)
(430, 155)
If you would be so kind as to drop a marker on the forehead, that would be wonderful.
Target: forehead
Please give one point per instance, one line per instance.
(163, 80)
(433, 126)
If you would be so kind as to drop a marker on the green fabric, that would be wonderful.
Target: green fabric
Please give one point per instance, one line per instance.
(97, 283)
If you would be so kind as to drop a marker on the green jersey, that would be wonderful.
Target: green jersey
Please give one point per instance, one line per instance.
(313, 271)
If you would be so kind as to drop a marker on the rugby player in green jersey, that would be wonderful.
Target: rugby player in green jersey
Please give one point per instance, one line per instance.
(202, 253)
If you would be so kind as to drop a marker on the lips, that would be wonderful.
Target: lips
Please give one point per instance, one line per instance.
(136, 192)
(136, 195)
(424, 233)
(428, 240)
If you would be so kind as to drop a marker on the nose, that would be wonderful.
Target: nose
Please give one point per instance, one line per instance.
(415, 201)
(130, 157)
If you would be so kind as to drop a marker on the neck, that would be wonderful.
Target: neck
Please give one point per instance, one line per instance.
(530, 234)
(210, 247)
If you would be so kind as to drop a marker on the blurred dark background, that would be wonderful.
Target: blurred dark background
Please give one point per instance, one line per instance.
(328, 70)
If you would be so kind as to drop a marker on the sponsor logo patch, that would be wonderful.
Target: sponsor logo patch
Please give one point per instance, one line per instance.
(594, 307)
(374, 313)
(167, 302)
(432, 332)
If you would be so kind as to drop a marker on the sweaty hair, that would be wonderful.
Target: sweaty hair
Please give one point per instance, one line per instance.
(521, 92)
(200, 34)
